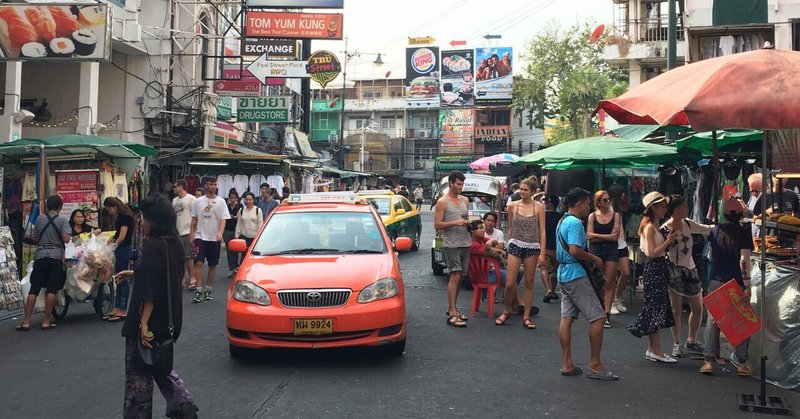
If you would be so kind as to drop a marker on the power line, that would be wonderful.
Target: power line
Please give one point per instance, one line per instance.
(518, 17)
(492, 26)
(422, 25)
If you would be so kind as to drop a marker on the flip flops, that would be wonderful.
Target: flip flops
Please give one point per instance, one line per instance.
(706, 369)
(22, 328)
(602, 375)
(115, 319)
(575, 371)
(50, 326)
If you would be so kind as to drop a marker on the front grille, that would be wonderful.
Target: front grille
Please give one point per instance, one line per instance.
(314, 298)
(336, 336)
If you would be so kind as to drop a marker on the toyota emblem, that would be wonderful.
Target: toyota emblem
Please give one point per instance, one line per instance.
(313, 296)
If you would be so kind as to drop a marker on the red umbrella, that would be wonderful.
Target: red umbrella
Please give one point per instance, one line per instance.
(752, 90)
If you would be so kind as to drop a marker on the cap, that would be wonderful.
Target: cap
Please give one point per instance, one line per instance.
(733, 205)
(653, 198)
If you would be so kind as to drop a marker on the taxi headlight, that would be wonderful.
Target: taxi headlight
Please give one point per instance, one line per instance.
(378, 290)
(248, 292)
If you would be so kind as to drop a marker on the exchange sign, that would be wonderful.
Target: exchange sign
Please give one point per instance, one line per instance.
(264, 109)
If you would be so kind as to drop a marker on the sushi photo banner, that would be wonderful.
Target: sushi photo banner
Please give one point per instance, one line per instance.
(54, 32)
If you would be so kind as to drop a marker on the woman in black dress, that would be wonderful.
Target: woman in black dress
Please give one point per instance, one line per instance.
(656, 310)
(149, 319)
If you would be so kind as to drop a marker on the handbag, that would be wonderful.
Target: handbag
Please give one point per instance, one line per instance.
(595, 274)
(157, 360)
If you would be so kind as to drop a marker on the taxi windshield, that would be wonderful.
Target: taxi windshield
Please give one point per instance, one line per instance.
(320, 233)
(380, 204)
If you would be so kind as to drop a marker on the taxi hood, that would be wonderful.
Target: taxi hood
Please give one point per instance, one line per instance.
(275, 273)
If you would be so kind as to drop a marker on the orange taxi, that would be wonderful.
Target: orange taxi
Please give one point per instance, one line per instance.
(321, 273)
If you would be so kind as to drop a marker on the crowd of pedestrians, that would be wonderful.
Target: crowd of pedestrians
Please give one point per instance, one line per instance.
(591, 231)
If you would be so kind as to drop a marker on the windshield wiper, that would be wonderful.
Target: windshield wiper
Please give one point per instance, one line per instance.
(356, 251)
(303, 251)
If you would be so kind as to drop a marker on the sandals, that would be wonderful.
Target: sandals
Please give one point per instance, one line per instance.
(501, 321)
(460, 316)
(22, 328)
(706, 369)
(456, 322)
(744, 371)
(114, 319)
(574, 371)
(50, 326)
(602, 375)
(528, 324)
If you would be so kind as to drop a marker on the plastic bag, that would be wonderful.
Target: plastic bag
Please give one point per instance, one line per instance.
(26, 288)
(71, 251)
(97, 261)
(77, 289)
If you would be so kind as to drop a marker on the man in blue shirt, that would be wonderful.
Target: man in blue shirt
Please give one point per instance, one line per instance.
(267, 201)
(577, 294)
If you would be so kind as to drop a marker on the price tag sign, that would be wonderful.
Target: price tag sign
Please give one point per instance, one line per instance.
(264, 109)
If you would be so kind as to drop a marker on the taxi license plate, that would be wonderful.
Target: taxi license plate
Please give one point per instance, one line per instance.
(313, 327)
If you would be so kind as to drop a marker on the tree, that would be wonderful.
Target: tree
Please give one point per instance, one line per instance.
(564, 79)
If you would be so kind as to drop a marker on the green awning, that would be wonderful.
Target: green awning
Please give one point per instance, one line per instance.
(448, 166)
(76, 144)
(729, 141)
(739, 12)
(640, 132)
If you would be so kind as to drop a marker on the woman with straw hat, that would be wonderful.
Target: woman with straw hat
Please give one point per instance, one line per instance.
(656, 311)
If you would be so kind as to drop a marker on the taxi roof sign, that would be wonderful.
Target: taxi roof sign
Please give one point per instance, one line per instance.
(376, 192)
(320, 197)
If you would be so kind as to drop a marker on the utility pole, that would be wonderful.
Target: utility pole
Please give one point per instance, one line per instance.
(305, 91)
(341, 113)
(672, 54)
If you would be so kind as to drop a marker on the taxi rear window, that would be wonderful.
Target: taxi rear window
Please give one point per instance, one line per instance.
(380, 204)
(320, 233)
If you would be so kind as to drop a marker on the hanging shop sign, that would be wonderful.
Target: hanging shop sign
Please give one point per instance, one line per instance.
(297, 4)
(55, 32)
(78, 189)
(262, 68)
(263, 109)
(237, 82)
(457, 131)
(224, 136)
(493, 76)
(274, 48)
(457, 78)
(76, 180)
(422, 40)
(323, 67)
(489, 133)
(293, 25)
(422, 72)
(224, 108)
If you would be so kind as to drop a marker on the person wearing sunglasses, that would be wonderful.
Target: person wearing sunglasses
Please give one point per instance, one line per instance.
(603, 235)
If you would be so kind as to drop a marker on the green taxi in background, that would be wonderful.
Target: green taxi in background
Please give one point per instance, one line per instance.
(399, 217)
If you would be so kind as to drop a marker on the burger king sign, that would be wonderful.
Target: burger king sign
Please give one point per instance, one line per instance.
(422, 72)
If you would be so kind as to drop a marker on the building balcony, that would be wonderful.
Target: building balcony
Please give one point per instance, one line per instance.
(373, 104)
(422, 133)
(643, 40)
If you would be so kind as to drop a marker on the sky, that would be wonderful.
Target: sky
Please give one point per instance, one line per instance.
(384, 26)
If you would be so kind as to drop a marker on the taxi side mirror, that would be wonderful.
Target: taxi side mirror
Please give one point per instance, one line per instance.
(400, 211)
(402, 244)
(237, 245)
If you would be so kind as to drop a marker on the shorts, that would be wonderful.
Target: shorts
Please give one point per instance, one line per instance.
(49, 274)
(206, 250)
(549, 262)
(578, 297)
(623, 253)
(457, 259)
(522, 252)
(608, 255)
(188, 249)
(419, 201)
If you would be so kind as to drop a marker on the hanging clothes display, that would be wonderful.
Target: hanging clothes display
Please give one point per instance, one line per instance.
(29, 187)
(276, 181)
(255, 183)
(106, 184)
(241, 183)
(224, 185)
(121, 187)
(192, 183)
(10, 290)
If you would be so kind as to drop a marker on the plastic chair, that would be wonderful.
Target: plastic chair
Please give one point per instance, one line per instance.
(479, 276)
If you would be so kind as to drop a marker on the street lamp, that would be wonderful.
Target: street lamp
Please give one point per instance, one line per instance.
(347, 57)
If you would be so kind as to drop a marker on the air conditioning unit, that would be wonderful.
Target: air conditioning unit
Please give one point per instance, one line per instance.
(422, 133)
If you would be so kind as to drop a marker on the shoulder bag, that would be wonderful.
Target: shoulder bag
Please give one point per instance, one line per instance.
(157, 360)
(595, 274)
(681, 279)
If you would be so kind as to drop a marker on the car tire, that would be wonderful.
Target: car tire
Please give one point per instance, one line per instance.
(59, 311)
(417, 239)
(395, 348)
(237, 352)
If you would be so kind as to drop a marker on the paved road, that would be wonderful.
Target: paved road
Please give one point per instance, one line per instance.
(483, 370)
